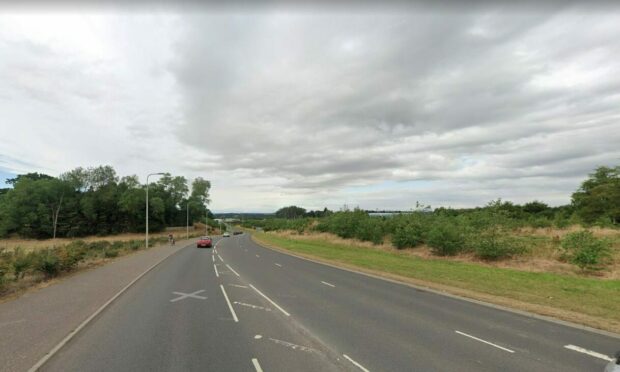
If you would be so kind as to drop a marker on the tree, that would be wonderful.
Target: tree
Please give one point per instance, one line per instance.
(535, 207)
(290, 212)
(599, 196)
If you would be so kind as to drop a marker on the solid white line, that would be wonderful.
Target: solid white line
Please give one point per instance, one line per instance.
(356, 363)
(232, 311)
(589, 352)
(216, 273)
(220, 257)
(278, 265)
(268, 299)
(486, 342)
(256, 365)
(329, 284)
(213, 257)
(72, 334)
(231, 269)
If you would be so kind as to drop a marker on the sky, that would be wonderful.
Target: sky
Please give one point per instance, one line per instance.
(318, 107)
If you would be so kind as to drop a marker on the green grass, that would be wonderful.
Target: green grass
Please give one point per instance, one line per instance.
(590, 296)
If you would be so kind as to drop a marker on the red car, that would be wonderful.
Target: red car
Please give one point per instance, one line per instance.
(205, 242)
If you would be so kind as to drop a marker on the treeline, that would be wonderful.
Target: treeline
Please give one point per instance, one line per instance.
(96, 201)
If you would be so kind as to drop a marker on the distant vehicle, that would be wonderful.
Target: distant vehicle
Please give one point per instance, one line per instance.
(614, 365)
(237, 232)
(226, 234)
(205, 242)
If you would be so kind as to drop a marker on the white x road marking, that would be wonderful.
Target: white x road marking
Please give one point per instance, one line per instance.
(183, 296)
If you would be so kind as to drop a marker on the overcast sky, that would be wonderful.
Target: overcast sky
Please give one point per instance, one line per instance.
(375, 108)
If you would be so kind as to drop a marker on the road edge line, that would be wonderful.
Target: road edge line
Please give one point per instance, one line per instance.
(75, 331)
(525, 313)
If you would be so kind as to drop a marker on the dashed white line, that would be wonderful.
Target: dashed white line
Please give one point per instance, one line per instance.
(269, 299)
(220, 257)
(356, 363)
(238, 286)
(588, 352)
(213, 257)
(256, 365)
(328, 284)
(231, 269)
(232, 311)
(216, 273)
(257, 256)
(483, 341)
(278, 265)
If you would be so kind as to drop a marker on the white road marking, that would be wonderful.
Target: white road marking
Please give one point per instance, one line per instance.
(356, 363)
(216, 273)
(231, 269)
(268, 299)
(486, 342)
(220, 257)
(258, 337)
(232, 311)
(238, 286)
(256, 365)
(257, 256)
(293, 346)
(252, 306)
(278, 265)
(183, 296)
(329, 284)
(213, 257)
(589, 352)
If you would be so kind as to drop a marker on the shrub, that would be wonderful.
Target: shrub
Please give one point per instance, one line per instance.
(446, 239)
(48, 264)
(495, 243)
(134, 245)
(69, 257)
(21, 263)
(407, 236)
(585, 250)
(371, 230)
(109, 253)
(99, 245)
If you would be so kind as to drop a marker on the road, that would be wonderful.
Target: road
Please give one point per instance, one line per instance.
(243, 307)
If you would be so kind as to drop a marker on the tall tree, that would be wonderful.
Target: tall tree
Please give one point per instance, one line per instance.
(599, 196)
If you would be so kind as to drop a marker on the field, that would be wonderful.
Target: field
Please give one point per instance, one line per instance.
(571, 296)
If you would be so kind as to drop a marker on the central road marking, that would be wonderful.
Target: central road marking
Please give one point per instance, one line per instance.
(220, 257)
(329, 284)
(269, 299)
(238, 286)
(293, 346)
(257, 256)
(213, 257)
(183, 296)
(486, 342)
(216, 273)
(231, 269)
(232, 311)
(252, 306)
(256, 365)
(589, 352)
(278, 265)
(356, 363)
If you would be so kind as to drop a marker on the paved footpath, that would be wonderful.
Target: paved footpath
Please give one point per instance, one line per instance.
(31, 325)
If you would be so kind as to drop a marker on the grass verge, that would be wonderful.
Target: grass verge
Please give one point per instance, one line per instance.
(587, 301)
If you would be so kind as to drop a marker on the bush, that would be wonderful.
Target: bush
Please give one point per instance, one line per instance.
(407, 236)
(69, 257)
(48, 264)
(110, 253)
(371, 230)
(21, 263)
(134, 245)
(495, 243)
(446, 239)
(585, 250)
(99, 245)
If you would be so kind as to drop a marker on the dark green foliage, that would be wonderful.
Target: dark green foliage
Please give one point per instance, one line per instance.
(585, 250)
(48, 264)
(371, 230)
(494, 243)
(598, 198)
(446, 238)
(109, 253)
(290, 212)
(21, 263)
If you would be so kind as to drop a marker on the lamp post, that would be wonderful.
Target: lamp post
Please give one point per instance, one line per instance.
(187, 220)
(147, 205)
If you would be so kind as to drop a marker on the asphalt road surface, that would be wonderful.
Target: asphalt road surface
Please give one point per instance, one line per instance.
(242, 307)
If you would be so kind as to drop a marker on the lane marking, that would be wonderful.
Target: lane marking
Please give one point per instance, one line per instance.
(231, 269)
(258, 337)
(238, 286)
(220, 257)
(588, 352)
(232, 311)
(252, 306)
(213, 257)
(75, 331)
(356, 363)
(256, 365)
(278, 265)
(216, 273)
(269, 299)
(257, 256)
(293, 346)
(486, 342)
(329, 284)
(183, 296)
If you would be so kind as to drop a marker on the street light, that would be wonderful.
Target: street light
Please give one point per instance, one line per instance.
(147, 205)
(187, 219)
